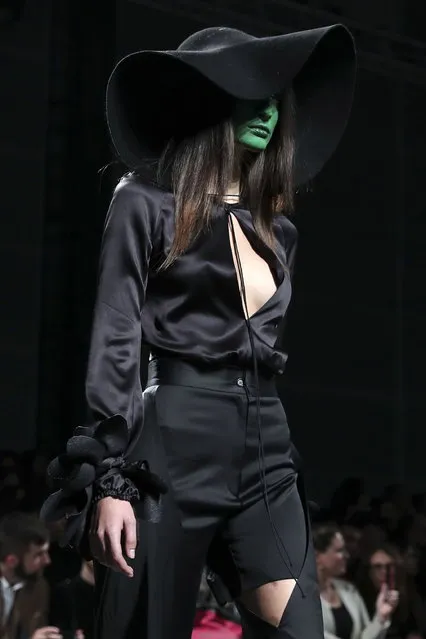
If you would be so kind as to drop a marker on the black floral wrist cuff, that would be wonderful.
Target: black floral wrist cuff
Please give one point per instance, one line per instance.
(94, 467)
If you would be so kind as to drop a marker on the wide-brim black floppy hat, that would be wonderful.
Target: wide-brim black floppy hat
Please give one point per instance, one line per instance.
(148, 91)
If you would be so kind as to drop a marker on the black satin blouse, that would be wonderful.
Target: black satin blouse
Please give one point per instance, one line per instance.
(192, 310)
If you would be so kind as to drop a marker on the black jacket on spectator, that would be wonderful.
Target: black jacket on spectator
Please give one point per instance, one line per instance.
(72, 606)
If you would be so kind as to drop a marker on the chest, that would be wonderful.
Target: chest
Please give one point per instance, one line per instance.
(227, 265)
(253, 273)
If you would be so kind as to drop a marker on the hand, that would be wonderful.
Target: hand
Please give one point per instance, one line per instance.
(386, 603)
(79, 634)
(111, 518)
(48, 632)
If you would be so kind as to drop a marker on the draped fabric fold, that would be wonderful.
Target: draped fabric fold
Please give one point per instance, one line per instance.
(138, 304)
(93, 467)
(95, 463)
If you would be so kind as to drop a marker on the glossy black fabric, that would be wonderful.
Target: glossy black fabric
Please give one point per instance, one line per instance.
(201, 435)
(192, 311)
(200, 454)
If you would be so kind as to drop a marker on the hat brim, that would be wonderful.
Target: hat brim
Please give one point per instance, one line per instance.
(320, 65)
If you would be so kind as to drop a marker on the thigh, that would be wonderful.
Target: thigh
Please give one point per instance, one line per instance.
(270, 544)
(202, 436)
(270, 541)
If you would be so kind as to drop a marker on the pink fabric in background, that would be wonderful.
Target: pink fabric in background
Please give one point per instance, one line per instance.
(209, 625)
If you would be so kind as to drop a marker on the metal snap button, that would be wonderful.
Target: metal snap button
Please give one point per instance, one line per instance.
(240, 382)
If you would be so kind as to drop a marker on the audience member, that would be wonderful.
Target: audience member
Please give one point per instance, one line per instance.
(73, 602)
(345, 497)
(344, 612)
(377, 568)
(352, 537)
(24, 596)
(12, 486)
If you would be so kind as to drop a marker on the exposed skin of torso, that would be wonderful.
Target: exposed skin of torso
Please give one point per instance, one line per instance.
(258, 279)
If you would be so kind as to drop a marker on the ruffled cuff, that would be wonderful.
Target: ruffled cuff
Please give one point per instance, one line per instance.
(117, 486)
(94, 467)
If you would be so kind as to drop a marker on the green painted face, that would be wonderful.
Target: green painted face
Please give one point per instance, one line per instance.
(255, 122)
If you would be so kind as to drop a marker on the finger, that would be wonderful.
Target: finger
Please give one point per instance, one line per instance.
(130, 537)
(114, 553)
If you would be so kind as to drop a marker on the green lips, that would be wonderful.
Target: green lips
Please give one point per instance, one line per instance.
(255, 122)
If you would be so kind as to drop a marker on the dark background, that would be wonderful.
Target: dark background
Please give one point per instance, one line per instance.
(354, 388)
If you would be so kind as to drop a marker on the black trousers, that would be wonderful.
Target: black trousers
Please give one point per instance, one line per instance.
(201, 434)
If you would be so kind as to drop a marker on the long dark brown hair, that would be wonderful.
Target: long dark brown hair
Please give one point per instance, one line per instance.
(205, 163)
(323, 535)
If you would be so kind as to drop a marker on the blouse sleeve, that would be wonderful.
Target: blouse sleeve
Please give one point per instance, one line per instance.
(94, 464)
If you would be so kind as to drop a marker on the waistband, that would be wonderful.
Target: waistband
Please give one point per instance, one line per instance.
(176, 372)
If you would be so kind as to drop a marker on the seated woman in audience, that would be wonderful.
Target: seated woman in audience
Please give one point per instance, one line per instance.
(344, 612)
(408, 622)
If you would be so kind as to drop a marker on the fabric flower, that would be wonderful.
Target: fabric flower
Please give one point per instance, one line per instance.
(94, 467)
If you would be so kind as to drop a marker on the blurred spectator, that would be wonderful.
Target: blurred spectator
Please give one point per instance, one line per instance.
(352, 537)
(65, 563)
(344, 612)
(24, 600)
(410, 557)
(73, 603)
(372, 537)
(375, 567)
(400, 498)
(419, 503)
(12, 486)
(345, 499)
(34, 475)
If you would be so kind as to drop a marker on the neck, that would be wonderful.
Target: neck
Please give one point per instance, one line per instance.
(87, 574)
(9, 575)
(242, 158)
(233, 188)
(325, 582)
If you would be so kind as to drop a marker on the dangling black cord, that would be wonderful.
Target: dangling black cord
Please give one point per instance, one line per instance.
(286, 559)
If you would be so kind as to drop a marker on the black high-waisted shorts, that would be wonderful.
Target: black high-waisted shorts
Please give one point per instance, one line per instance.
(234, 502)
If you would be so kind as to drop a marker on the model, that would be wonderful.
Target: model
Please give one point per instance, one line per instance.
(196, 262)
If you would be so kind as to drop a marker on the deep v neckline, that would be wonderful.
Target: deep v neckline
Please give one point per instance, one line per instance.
(234, 215)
